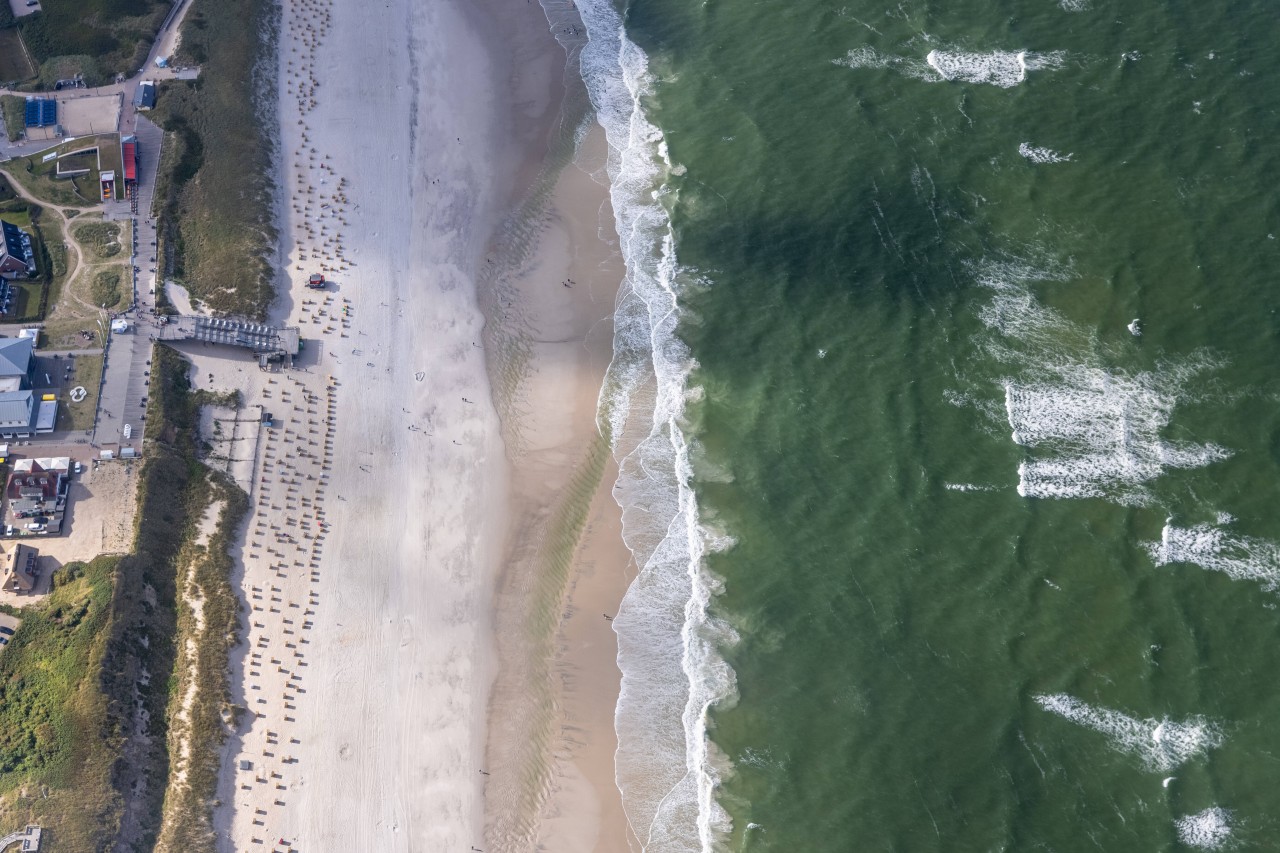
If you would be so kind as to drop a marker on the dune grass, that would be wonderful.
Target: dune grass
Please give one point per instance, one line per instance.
(215, 190)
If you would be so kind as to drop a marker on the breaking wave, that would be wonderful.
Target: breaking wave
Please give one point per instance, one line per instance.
(1042, 155)
(1005, 69)
(1207, 830)
(1091, 428)
(1002, 68)
(672, 674)
(1242, 558)
(1160, 745)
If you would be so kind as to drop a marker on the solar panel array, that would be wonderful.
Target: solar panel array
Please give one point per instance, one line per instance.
(41, 112)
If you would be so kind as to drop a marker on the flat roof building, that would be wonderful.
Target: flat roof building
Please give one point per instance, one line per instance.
(16, 409)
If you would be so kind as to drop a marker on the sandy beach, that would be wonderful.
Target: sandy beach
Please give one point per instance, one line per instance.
(395, 560)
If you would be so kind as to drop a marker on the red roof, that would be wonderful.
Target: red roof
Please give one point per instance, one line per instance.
(130, 162)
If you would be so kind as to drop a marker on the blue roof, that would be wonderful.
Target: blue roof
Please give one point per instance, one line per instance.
(41, 112)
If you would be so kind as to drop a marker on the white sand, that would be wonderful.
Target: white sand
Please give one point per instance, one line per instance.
(371, 726)
(388, 508)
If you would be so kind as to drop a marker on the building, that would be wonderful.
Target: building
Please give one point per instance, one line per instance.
(144, 98)
(37, 494)
(107, 179)
(17, 363)
(16, 410)
(17, 402)
(129, 162)
(22, 569)
(268, 343)
(17, 258)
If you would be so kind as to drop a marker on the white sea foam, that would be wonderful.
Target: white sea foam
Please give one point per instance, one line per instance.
(867, 57)
(1074, 5)
(1207, 830)
(1042, 155)
(969, 487)
(1092, 429)
(666, 767)
(1160, 745)
(1001, 68)
(1239, 557)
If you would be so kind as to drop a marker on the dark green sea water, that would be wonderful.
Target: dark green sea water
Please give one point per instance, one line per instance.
(994, 573)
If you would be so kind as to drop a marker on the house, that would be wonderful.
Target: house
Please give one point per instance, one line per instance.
(22, 569)
(145, 96)
(17, 258)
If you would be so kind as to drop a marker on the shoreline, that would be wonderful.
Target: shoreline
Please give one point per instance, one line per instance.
(551, 738)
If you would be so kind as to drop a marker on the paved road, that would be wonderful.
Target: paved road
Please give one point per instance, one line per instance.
(126, 373)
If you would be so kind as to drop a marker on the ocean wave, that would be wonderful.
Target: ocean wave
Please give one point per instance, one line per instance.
(1042, 155)
(867, 57)
(1002, 68)
(1238, 557)
(672, 673)
(1160, 745)
(1206, 830)
(1091, 428)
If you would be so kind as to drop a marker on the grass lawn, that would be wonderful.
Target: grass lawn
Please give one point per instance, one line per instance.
(38, 179)
(21, 218)
(26, 302)
(56, 746)
(79, 416)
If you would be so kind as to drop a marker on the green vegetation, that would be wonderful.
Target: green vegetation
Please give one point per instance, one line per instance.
(81, 724)
(99, 237)
(15, 64)
(79, 416)
(57, 745)
(175, 492)
(15, 114)
(20, 215)
(41, 181)
(216, 194)
(106, 287)
(97, 38)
